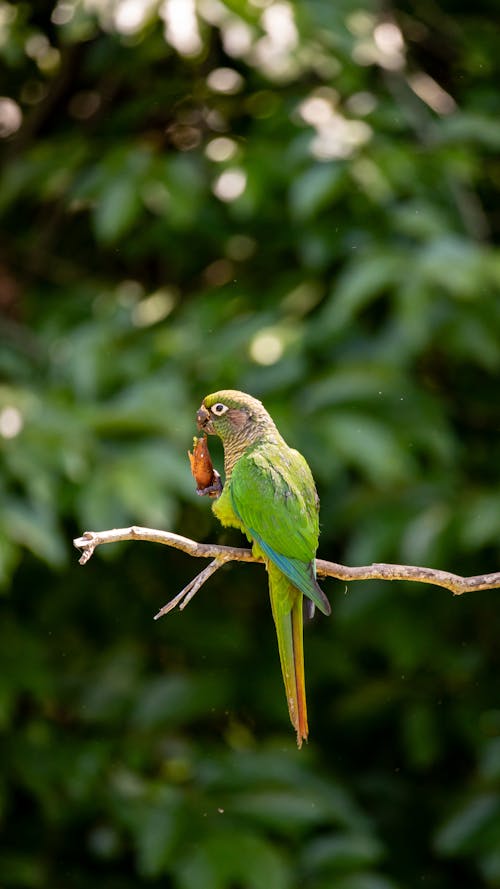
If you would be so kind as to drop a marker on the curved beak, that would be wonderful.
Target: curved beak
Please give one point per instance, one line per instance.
(203, 418)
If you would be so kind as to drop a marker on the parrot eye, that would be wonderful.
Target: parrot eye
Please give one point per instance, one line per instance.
(218, 409)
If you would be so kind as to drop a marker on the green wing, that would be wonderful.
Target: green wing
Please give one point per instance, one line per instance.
(273, 494)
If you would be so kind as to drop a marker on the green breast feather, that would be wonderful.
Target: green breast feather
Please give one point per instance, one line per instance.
(271, 496)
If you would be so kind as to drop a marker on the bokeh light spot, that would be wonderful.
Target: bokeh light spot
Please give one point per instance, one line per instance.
(230, 185)
(11, 421)
(266, 347)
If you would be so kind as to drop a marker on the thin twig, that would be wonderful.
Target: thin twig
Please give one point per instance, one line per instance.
(221, 554)
(91, 539)
(185, 595)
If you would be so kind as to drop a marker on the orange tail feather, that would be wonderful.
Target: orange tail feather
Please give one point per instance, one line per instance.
(286, 603)
(300, 680)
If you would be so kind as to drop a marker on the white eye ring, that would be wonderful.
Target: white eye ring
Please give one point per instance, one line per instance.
(218, 409)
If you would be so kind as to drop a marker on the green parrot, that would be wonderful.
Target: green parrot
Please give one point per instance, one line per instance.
(269, 494)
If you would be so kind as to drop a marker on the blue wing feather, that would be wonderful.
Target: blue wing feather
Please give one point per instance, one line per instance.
(300, 573)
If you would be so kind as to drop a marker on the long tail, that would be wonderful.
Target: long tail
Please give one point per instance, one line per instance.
(286, 604)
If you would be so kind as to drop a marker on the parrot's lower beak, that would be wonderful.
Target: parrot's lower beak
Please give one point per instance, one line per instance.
(203, 418)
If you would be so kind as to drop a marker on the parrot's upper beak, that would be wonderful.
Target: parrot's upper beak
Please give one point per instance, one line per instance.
(203, 418)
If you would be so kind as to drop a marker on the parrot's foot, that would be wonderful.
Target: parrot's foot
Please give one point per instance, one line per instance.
(213, 490)
(192, 588)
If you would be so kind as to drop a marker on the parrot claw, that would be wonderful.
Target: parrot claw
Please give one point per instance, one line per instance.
(213, 490)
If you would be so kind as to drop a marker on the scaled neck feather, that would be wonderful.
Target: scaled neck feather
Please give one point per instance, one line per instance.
(243, 439)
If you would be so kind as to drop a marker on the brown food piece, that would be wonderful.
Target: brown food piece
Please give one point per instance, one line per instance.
(201, 464)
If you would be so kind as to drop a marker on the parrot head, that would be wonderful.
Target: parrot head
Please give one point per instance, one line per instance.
(229, 413)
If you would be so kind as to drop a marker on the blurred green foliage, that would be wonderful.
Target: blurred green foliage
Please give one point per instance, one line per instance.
(299, 200)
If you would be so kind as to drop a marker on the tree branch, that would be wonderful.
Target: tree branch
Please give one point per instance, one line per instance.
(222, 554)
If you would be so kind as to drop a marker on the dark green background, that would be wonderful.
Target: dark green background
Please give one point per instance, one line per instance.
(354, 285)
